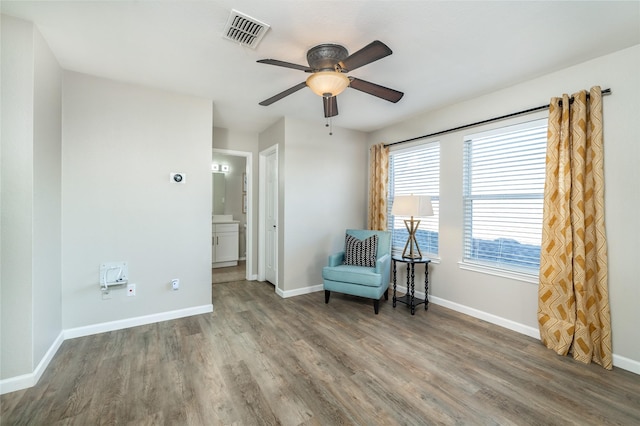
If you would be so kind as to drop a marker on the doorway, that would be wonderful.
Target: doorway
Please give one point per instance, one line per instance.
(235, 200)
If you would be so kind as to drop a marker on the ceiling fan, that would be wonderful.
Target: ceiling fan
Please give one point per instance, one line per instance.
(328, 65)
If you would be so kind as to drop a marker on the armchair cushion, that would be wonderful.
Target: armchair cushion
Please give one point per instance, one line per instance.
(353, 274)
(360, 252)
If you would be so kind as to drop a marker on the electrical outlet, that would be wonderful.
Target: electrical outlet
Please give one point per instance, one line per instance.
(131, 289)
(175, 284)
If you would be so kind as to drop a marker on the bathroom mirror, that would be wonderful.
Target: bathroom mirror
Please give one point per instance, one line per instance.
(218, 192)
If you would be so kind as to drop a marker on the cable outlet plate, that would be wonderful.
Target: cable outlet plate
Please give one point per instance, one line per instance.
(131, 290)
(175, 284)
(113, 273)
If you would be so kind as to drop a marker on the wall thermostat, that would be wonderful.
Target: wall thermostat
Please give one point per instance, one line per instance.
(177, 177)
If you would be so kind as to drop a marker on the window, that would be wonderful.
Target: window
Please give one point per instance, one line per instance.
(504, 173)
(415, 171)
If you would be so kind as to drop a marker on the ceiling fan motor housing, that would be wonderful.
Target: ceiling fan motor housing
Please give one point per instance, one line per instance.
(326, 56)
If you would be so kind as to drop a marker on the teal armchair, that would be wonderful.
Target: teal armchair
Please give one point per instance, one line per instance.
(359, 270)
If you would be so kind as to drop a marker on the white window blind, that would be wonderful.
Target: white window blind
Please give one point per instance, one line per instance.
(415, 171)
(504, 174)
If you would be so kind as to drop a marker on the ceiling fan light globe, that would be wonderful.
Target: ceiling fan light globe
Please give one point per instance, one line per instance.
(327, 82)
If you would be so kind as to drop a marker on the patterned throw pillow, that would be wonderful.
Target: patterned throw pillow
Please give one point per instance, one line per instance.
(360, 252)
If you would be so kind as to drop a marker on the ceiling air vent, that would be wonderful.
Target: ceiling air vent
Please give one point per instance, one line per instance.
(244, 29)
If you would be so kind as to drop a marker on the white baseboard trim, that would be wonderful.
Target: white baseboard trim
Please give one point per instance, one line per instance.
(17, 383)
(485, 316)
(46, 359)
(493, 319)
(88, 330)
(25, 381)
(300, 291)
(626, 364)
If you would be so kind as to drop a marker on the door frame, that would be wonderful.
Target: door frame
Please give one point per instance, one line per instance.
(249, 232)
(262, 231)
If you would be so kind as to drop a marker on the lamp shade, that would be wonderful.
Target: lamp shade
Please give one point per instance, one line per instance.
(412, 205)
(328, 83)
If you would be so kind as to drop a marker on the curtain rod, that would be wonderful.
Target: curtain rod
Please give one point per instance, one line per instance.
(478, 123)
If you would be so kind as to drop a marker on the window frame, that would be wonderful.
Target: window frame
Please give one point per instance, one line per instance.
(427, 224)
(502, 268)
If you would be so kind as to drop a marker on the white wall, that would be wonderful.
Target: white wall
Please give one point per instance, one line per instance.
(516, 301)
(47, 199)
(31, 252)
(120, 144)
(17, 192)
(325, 192)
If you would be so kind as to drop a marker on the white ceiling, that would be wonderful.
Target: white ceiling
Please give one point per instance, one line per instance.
(443, 52)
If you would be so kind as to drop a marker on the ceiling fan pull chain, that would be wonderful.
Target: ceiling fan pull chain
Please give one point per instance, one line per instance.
(329, 124)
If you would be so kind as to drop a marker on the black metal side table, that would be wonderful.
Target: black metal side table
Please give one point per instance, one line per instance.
(409, 298)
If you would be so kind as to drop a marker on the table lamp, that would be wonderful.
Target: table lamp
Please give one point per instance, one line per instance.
(412, 206)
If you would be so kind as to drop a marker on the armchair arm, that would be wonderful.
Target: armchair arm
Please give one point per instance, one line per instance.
(336, 259)
(383, 264)
(383, 267)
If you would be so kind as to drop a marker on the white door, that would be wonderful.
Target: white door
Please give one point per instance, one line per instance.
(271, 217)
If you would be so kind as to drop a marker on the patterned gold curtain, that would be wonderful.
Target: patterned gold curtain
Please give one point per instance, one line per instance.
(573, 305)
(378, 180)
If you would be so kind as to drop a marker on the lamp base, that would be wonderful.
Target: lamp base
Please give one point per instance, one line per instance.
(412, 227)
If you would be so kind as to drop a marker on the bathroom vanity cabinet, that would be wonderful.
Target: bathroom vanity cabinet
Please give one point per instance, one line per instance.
(225, 239)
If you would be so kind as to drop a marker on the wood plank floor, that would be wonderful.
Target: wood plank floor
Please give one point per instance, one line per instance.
(262, 360)
(230, 273)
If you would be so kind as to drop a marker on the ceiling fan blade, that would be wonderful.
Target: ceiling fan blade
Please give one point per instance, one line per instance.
(281, 95)
(370, 53)
(285, 64)
(330, 106)
(376, 90)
